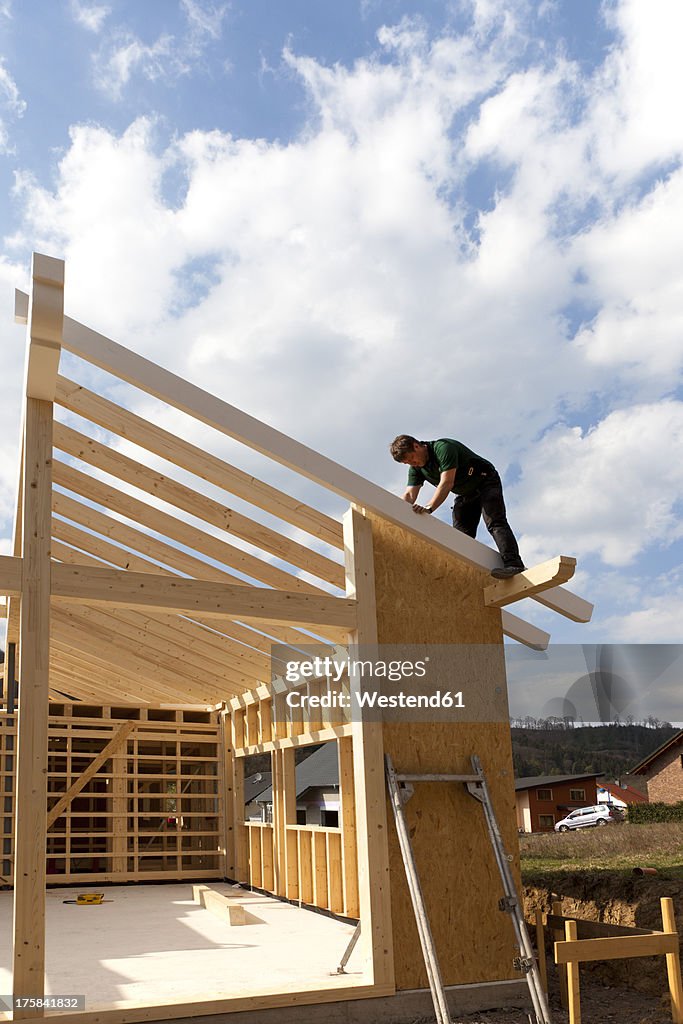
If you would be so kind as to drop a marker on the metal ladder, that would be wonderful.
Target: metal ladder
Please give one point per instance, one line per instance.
(400, 790)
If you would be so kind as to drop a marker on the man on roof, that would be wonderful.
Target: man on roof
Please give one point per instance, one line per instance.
(455, 469)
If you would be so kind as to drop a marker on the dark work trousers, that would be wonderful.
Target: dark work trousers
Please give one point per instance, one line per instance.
(487, 501)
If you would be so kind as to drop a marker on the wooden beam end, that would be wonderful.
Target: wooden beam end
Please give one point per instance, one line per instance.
(47, 269)
(532, 581)
(20, 307)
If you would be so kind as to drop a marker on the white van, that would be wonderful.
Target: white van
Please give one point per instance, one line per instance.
(585, 817)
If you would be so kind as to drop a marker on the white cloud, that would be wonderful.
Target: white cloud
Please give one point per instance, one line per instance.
(636, 116)
(123, 54)
(128, 55)
(632, 261)
(612, 490)
(205, 19)
(90, 16)
(344, 288)
(654, 617)
(12, 275)
(11, 103)
(9, 93)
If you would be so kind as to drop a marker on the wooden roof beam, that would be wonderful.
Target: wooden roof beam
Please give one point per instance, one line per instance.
(45, 318)
(180, 496)
(177, 559)
(195, 460)
(193, 644)
(530, 582)
(103, 649)
(128, 589)
(11, 575)
(118, 501)
(161, 648)
(524, 632)
(100, 681)
(207, 408)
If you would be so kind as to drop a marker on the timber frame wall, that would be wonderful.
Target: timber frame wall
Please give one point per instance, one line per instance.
(148, 573)
(152, 811)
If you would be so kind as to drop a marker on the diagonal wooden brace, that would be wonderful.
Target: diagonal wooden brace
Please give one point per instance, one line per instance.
(117, 741)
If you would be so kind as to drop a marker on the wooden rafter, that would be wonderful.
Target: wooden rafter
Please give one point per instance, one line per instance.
(188, 637)
(159, 645)
(107, 646)
(176, 529)
(168, 556)
(207, 408)
(195, 504)
(96, 680)
(524, 632)
(194, 460)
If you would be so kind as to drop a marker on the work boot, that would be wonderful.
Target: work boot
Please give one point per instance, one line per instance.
(503, 572)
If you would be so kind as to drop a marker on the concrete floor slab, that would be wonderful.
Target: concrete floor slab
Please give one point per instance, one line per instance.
(154, 944)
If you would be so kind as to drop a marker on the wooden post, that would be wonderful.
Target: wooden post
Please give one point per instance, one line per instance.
(45, 331)
(34, 657)
(239, 829)
(556, 908)
(573, 993)
(368, 769)
(226, 786)
(540, 948)
(119, 806)
(673, 962)
(347, 820)
(288, 780)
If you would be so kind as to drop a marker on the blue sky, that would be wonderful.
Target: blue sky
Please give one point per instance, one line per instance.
(356, 219)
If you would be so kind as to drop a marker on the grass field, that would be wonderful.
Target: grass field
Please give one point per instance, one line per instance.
(613, 848)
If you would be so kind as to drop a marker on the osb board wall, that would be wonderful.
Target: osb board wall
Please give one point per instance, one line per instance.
(428, 596)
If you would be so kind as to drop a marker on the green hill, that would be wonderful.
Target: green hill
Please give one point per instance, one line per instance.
(609, 749)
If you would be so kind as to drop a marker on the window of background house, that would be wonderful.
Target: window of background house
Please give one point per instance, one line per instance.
(546, 820)
(545, 794)
(577, 794)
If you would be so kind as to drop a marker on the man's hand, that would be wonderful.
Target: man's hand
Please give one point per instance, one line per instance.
(421, 508)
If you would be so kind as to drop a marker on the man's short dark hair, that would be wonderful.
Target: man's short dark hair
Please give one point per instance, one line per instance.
(401, 446)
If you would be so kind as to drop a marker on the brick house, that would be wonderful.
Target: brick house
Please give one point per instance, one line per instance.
(663, 771)
(620, 794)
(542, 800)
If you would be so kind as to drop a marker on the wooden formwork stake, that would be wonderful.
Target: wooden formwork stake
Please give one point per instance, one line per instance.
(573, 994)
(673, 962)
(540, 947)
(558, 935)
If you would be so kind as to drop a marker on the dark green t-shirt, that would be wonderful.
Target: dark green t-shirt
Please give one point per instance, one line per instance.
(449, 454)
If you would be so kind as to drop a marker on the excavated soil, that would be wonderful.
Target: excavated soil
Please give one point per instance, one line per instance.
(599, 1005)
(611, 898)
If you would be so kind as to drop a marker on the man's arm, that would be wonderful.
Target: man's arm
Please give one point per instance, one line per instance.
(440, 494)
(410, 494)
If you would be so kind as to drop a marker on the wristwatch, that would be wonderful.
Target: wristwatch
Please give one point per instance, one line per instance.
(428, 509)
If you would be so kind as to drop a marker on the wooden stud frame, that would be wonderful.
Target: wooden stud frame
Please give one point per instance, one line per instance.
(131, 585)
(133, 768)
